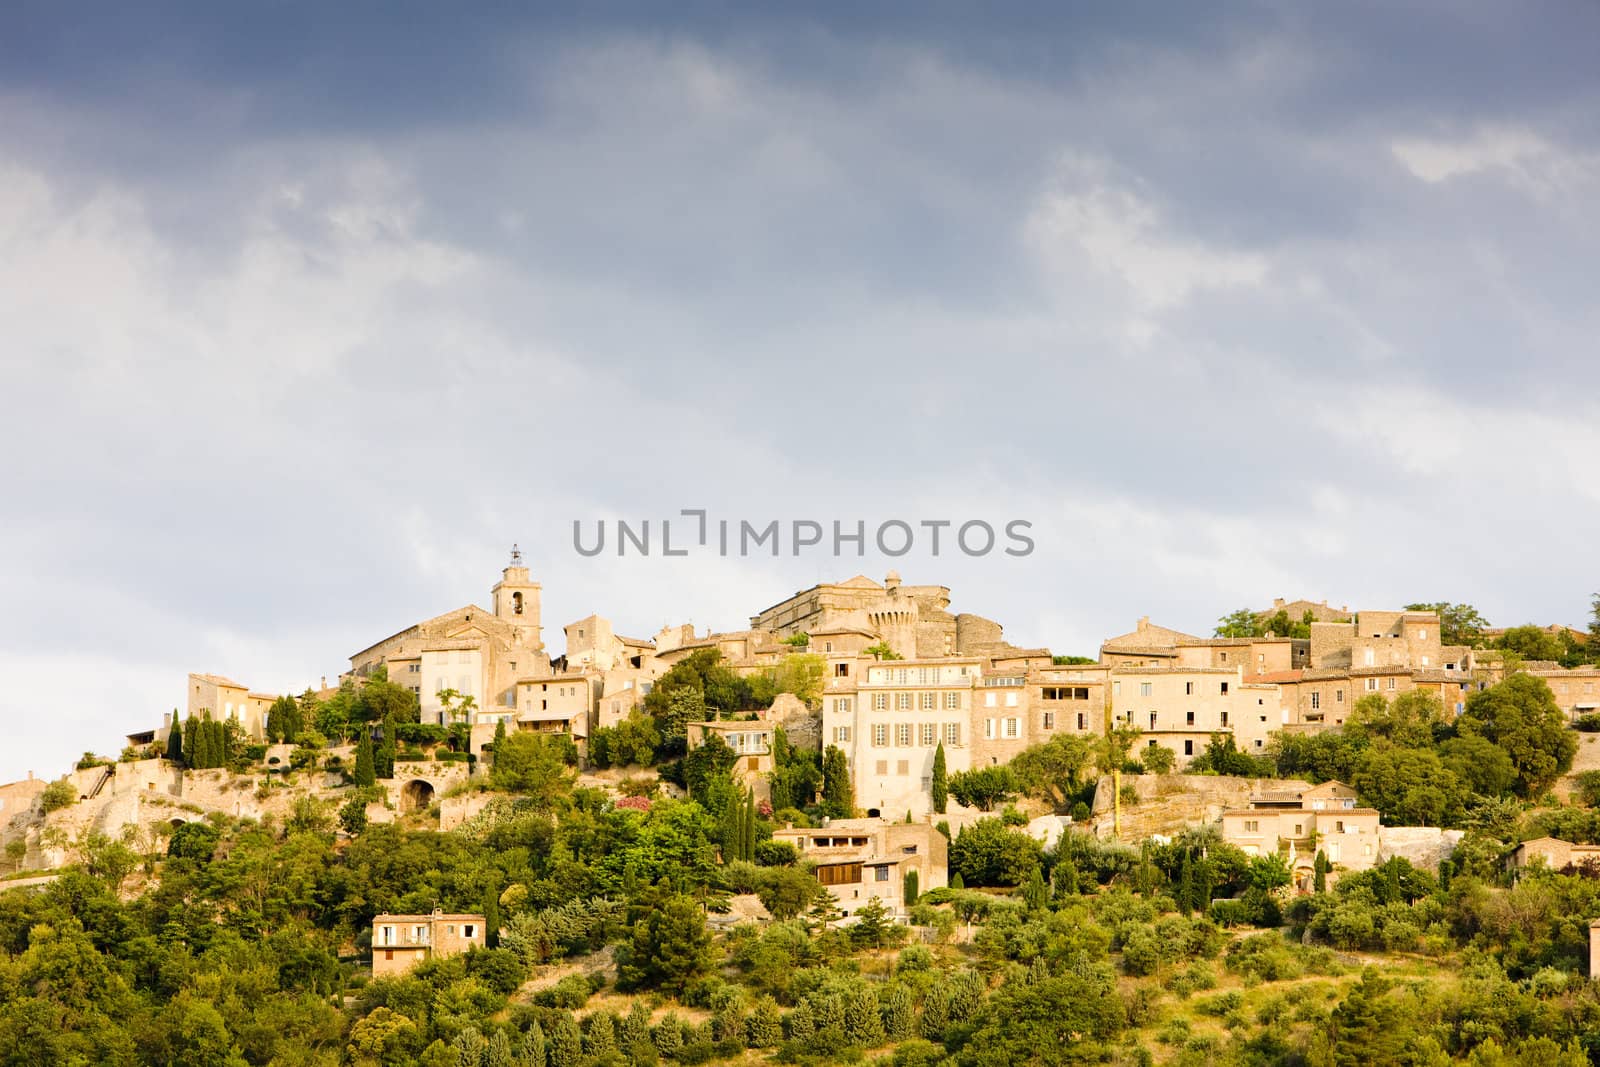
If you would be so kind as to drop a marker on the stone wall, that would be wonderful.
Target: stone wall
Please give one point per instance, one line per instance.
(1171, 803)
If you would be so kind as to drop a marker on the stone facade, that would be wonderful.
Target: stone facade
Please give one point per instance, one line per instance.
(861, 859)
(1322, 818)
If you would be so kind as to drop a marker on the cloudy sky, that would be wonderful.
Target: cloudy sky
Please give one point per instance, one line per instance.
(306, 315)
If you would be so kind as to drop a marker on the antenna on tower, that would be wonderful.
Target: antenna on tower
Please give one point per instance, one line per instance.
(516, 555)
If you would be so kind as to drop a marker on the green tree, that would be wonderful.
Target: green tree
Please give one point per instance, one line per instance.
(908, 888)
(365, 773)
(533, 765)
(764, 1026)
(1320, 868)
(984, 787)
(1035, 894)
(565, 1048)
(1522, 717)
(1483, 766)
(939, 786)
(1531, 642)
(873, 925)
(175, 739)
(1241, 623)
(499, 738)
(353, 816)
(383, 752)
(1053, 772)
(862, 1023)
(670, 948)
(838, 792)
(1409, 787)
(1157, 759)
(990, 853)
(1459, 624)
(882, 651)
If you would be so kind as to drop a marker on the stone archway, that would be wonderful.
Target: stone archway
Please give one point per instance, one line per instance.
(416, 795)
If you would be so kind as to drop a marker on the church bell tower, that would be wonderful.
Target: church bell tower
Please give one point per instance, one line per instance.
(516, 601)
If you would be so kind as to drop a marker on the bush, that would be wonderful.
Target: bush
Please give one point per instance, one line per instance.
(1230, 913)
(254, 753)
(1589, 723)
(1589, 788)
(409, 755)
(776, 854)
(57, 795)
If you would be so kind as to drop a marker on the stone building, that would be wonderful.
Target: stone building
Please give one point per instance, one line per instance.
(225, 699)
(1302, 822)
(1181, 707)
(913, 620)
(861, 859)
(1577, 690)
(476, 653)
(400, 942)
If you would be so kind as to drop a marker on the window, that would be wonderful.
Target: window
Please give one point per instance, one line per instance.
(930, 701)
(902, 734)
(1116, 689)
(1188, 689)
(1152, 720)
(1422, 635)
(841, 733)
(1224, 657)
(952, 733)
(1011, 700)
(880, 735)
(1338, 827)
(1424, 661)
(927, 733)
(1391, 683)
(1049, 720)
(468, 930)
(1372, 685)
(952, 701)
(388, 934)
(880, 701)
(902, 701)
(1011, 727)
(841, 670)
(841, 704)
(419, 934)
(1366, 657)
(1082, 720)
(1188, 748)
(1224, 719)
(1224, 688)
(839, 874)
(1298, 830)
(1146, 688)
(388, 954)
(880, 874)
(988, 728)
(1252, 826)
(1338, 696)
(1188, 718)
(1316, 700)
(988, 700)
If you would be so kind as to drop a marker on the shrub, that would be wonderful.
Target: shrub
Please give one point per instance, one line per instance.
(1230, 913)
(1589, 723)
(57, 795)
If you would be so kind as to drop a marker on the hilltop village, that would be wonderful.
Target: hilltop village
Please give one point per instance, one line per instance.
(924, 824)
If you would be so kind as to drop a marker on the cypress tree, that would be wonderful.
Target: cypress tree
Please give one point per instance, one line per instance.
(909, 889)
(1034, 894)
(940, 785)
(838, 792)
(747, 844)
(364, 772)
(204, 756)
(499, 739)
(1065, 878)
(191, 740)
(1320, 869)
(383, 758)
(491, 918)
(175, 740)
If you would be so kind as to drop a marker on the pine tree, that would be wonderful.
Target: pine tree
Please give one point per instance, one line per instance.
(899, 1013)
(565, 1048)
(872, 924)
(936, 1009)
(802, 1022)
(498, 1053)
(469, 1046)
(862, 1023)
(634, 1033)
(365, 774)
(533, 1047)
(941, 781)
(764, 1027)
(175, 739)
(601, 1040)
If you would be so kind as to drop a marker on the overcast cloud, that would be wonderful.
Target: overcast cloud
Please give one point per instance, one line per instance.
(307, 315)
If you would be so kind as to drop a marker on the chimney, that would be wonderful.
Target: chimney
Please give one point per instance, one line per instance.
(324, 684)
(1278, 602)
(1144, 623)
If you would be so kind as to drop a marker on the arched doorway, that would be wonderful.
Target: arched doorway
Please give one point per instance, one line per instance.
(416, 795)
